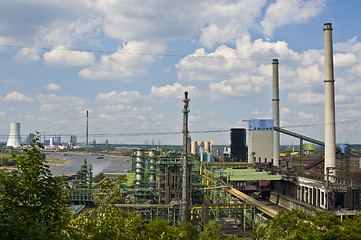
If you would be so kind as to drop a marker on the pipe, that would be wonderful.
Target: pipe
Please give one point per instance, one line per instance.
(276, 113)
(330, 127)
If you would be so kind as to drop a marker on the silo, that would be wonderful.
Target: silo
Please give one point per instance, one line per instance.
(206, 146)
(194, 147)
(14, 136)
(238, 145)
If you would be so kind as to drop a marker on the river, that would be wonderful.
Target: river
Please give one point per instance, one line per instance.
(108, 164)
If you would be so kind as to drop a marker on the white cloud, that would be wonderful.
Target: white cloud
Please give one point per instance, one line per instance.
(27, 55)
(175, 91)
(61, 122)
(112, 107)
(240, 86)
(61, 56)
(60, 103)
(227, 21)
(304, 115)
(29, 117)
(127, 62)
(107, 117)
(285, 12)
(17, 97)
(306, 97)
(53, 87)
(115, 97)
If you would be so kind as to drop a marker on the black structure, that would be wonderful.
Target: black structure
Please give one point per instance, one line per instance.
(238, 145)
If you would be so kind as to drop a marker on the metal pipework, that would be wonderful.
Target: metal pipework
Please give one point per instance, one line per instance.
(330, 127)
(139, 167)
(151, 166)
(185, 175)
(276, 113)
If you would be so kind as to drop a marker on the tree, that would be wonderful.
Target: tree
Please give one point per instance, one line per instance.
(32, 202)
(106, 222)
(298, 225)
(212, 231)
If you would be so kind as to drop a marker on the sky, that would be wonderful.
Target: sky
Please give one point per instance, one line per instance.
(129, 63)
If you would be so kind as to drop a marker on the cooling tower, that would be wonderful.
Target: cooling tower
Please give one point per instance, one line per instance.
(14, 136)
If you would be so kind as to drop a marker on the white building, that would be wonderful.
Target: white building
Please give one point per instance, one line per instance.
(260, 141)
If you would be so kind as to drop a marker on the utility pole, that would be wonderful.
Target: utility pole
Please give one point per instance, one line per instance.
(185, 175)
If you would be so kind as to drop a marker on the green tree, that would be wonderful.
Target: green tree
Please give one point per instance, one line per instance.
(212, 231)
(106, 222)
(298, 225)
(32, 203)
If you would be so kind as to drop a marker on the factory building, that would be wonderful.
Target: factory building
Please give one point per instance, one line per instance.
(55, 141)
(260, 141)
(29, 138)
(238, 145)
(73, 141)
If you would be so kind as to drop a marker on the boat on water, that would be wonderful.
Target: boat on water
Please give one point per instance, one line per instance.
(100, 157)
(66, 154)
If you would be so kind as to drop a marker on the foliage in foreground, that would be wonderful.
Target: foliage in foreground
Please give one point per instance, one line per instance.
(109, 222)
(299, 225)
(32, 203)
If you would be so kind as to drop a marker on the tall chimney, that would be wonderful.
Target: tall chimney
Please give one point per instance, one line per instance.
(86, 131)
(276, 114)
(330, 128)
(185, 175)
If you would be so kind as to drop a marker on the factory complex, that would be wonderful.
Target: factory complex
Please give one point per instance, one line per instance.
(248, 182)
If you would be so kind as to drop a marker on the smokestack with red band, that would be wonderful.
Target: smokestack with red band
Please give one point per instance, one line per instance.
(330, 128)
(276, 114)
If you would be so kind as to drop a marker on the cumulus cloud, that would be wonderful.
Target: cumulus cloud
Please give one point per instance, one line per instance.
(241, 86)
(306, 97)
(132, 21)
(227, 21)
(61, 56)
(115, 97)
(27, 55)
(285, 12)
(53, 87)
(127, 62)
(53, 102)
(17, 97)
(175, 91)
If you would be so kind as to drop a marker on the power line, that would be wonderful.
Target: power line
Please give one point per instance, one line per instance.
(167, 54)
(136, 134)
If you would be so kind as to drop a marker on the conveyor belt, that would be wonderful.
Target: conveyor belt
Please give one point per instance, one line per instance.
(250, 200)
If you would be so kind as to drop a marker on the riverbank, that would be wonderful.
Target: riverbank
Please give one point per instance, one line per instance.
(55, 161)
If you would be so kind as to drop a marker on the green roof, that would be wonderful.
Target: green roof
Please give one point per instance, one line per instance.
(249, 175)
(130, 179)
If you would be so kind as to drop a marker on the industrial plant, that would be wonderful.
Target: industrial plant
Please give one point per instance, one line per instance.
(248, 183)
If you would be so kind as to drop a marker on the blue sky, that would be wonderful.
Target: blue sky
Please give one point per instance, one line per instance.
(129, 63)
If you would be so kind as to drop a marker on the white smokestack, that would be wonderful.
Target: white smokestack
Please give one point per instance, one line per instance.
(14, 137)
(330, 128)
(276, 114)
